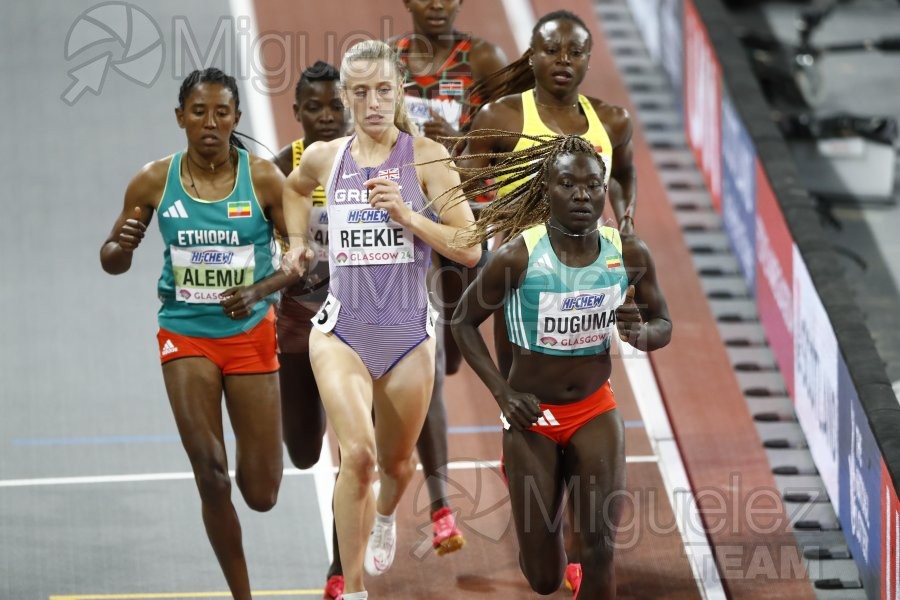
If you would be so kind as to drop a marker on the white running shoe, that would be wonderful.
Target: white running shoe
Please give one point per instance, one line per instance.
(382, 543)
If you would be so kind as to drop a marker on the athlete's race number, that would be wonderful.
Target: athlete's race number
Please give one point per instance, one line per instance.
(326, 318)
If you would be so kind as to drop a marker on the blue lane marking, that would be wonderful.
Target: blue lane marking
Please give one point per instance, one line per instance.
(101, 440)
(108, 440)
(475, 429)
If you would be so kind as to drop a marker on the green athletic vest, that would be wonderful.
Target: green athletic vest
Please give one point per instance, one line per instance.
(566, 311)
(210, 246)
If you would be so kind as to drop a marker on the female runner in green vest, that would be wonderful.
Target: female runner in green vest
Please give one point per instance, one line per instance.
(567, 286)
(216, 204)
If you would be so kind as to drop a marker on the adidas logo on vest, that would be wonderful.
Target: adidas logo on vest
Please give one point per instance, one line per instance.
(176, 211)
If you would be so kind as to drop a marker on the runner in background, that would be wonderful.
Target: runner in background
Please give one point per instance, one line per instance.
(318, 107)
(442, 65)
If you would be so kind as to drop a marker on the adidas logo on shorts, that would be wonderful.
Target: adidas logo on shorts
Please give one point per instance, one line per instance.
(168, 348)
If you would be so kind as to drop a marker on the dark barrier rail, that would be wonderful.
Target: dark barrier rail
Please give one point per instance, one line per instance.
(836, 379)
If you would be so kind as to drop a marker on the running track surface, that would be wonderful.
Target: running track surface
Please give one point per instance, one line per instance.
(712, 425)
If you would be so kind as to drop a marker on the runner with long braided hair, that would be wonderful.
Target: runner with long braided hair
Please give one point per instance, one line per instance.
(566, 285)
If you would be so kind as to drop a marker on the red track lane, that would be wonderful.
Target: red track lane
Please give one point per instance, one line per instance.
(721, 450)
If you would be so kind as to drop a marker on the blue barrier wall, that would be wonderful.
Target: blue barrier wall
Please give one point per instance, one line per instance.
(841, 393)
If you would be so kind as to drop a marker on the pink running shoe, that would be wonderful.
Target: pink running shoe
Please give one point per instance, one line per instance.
(334, 588)
(447, 537)
(573, 577)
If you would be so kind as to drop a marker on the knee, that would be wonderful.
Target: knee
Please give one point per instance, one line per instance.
(597, 550)
(543, 577)
(262, 495)
(213, 483)
(397, 468)
(545, 582)
(260, 491)
(359, 460)
(304, 453)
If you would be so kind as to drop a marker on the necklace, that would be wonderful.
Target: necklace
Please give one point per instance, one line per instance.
(211, 165)
(556, 106)
(569, 234)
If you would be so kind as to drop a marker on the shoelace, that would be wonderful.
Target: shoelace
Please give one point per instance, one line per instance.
(381, 533)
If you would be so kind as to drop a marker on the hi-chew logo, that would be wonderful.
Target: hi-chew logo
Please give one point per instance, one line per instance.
(368, 215)
(582, 302)
(211, 257)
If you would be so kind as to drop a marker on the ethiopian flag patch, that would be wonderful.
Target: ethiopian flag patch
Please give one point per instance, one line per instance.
(613, 263)
(237, 210)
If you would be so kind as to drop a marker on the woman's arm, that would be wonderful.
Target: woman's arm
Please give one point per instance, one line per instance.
(436, 180)
(643, 320)
(622, 174)
(315, 164)
(141, 199)
(482, 299)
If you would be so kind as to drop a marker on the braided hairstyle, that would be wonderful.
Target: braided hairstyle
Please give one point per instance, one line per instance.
(528, 169)
(373, 51)
(517, 76)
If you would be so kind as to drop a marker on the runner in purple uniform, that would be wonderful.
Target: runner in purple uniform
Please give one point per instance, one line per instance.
(372, 345)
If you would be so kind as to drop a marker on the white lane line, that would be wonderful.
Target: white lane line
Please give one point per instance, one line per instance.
(521, 19)
(259, 101)
(678, 488)
(520, 15)
(318, 472)
(253, 78)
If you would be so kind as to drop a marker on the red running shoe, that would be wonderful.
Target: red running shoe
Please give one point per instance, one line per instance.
(334, 588)
(447, 537)
(573, 577)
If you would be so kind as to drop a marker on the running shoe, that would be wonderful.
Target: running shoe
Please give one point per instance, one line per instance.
(447, 537)
(573, 577)
(334, 588)
(381, 547)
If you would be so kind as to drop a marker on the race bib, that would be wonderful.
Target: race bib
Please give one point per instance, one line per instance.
(318, 232)
(327, 317)
(367, 236)
(575, 320)
(202, 273)
(420, 110)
